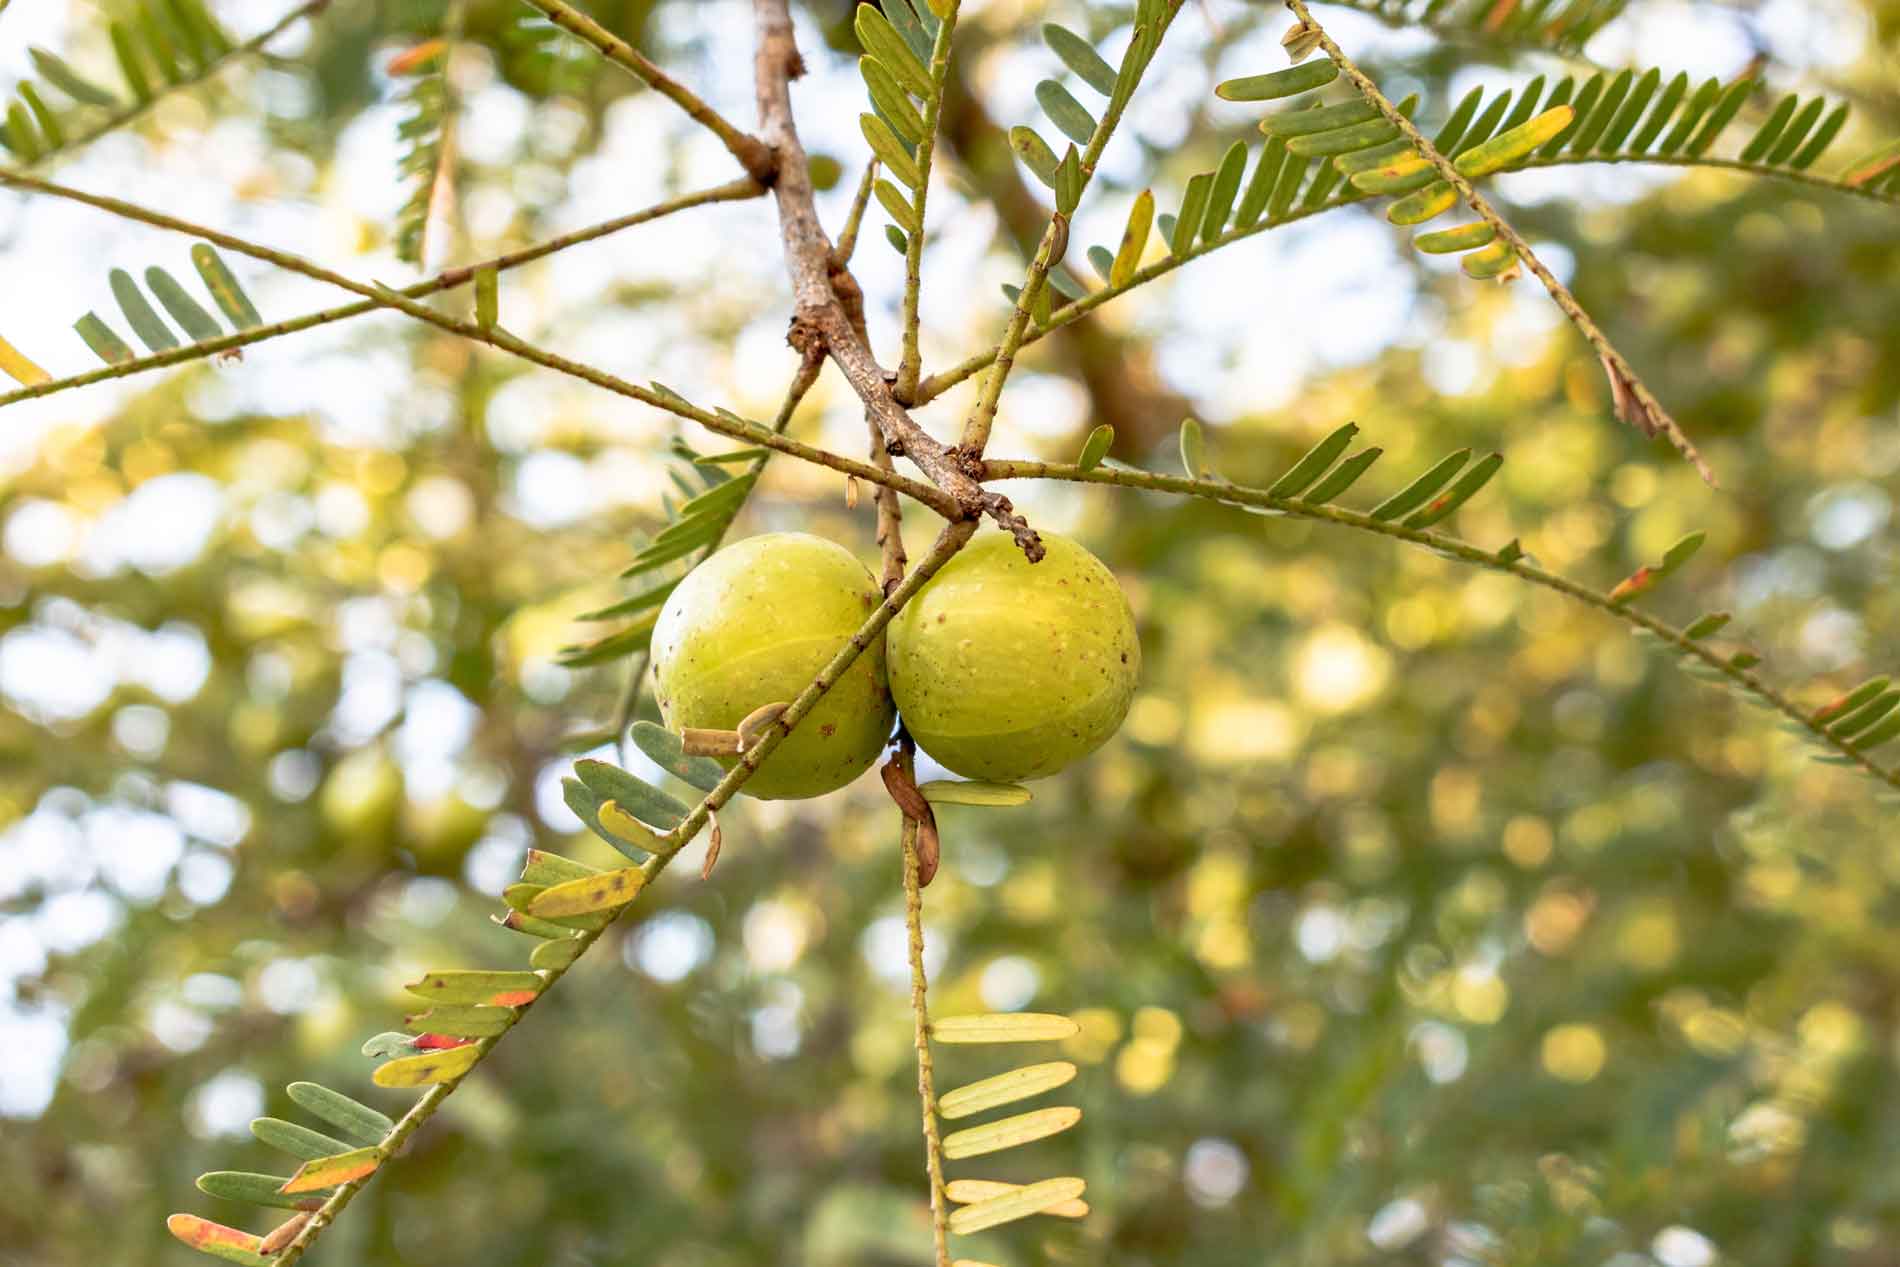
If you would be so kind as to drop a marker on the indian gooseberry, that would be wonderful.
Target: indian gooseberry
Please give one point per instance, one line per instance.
(1006, 670)
(752, 626)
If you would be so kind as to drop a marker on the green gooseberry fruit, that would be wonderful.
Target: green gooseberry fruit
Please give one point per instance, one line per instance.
(752, 626)
(1007, 670)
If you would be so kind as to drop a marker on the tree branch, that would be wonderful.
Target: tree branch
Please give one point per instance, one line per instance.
(753, 154)
(1635, 403)
(910, 361)
(822, 289)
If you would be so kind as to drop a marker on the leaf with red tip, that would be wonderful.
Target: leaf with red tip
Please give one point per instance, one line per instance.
(497, 988)
(216, 1239)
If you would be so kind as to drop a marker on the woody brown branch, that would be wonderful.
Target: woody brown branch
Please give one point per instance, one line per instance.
(827, 302)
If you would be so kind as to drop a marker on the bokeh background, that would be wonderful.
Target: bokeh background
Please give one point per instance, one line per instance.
(1414, 916)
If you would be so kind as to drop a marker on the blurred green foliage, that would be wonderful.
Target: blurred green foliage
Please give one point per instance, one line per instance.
(1414, 917)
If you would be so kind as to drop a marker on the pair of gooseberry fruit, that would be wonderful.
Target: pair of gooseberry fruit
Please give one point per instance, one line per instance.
(1003, 670)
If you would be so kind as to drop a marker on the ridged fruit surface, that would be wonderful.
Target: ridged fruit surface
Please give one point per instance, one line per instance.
(1008, 670)
(753, 625)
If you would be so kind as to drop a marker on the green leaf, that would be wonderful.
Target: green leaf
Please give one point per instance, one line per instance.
(1266, 173)
(1003, 1027)
(1453, 131)
(299, 1141)
(346, 1167)
(1280, 83)
(70, 81)
(1705, 97)
(974, 792)
(358, 1122)
(1446, 504)
(1769, 133)
(130, 65)
(1508, 147)
(152, 332)
(880, 39)
(1134, 238)
(1293, 123)
(556, 954)
(1034, 153)
(1220, 199)
(1823, 138)
(1080, 56)
(1725, 110)
(1712, 623)
(1359, 136)
(1314, 463)
(1193, 207)
(1010, 1132)
(1587, 97)
(889, 150)
(1343, 478)
(1025, 1201)
(1632, 109)
(1465, 237)
(891, 101)
(1005, 1088)
(224, 288)
(426, 1068)
(1680, 553)
(1376, 157)
(1885, 732)
(1422, 489)
(103, 340)
(1487, 123)
(252, 1189)
(1432, 201)
(1194, 449)
(487, 297)
(663, 748)
(1068, 188)
(1672, 96)
(193, 319)
(1866, 715)
(1589, 129)
(461, 1020)
(896, 205)
(1490, 261)
(1102, 260)
(1095, 448)
(642, 800)
(1069, 115)
(494, 987)
(50, 126)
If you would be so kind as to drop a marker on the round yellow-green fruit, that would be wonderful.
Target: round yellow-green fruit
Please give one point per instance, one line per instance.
(1007, 670)
(752, 626)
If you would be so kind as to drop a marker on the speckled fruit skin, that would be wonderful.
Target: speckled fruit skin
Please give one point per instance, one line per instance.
(752, 626)
(1008, 670)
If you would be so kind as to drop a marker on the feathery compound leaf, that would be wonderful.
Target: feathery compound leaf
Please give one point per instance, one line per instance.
(1005, 1088)
(607, 891)
(1034, 152)
(1422, 489)
(328, 1172)
(1314, 463)
(1446, 504)
(974, 792)
(425, 1069)
(499, 988)
(1096, 447)
(224, 288)
(1080, 56)
(357, 1121)
(1010, 1132)
(462, 1020)
(1507, 147)
(1465, 237)
(880, 39)
(217, 1240)
(145, 323)
(1004, 1027)
(1280, 83)
(194, 320)
(1068, 114)
(1034, 1198)
(252, 1189)
(1134, 238)
(1343, 478)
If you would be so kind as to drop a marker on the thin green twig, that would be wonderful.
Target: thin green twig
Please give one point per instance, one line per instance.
(910, 361)
(1748, 681)
(448, 279)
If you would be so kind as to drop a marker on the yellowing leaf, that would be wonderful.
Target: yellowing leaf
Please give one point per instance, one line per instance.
(969, 1191)
(328, 1172)
(19, 368)
(1020, 1204)
(427, 1068)
(973, 792)
(1024, 1128)
(1005, 1088)
(216, 1239)
(590, 893)
(1003, 1027)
